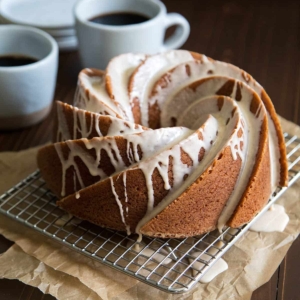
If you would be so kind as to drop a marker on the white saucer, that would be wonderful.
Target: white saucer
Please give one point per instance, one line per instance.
(44, 14)
(64, 32)
(67, 43)
(61, 32)
(53, 16)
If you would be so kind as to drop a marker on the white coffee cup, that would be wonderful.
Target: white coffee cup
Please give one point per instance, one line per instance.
(26, 92)
(98, 43)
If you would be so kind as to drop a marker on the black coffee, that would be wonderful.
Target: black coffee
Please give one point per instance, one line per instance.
(16, 60)
(120, 18)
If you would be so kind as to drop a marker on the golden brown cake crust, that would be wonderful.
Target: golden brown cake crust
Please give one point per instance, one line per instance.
(258, 190)
(281, 142)
(197, 210)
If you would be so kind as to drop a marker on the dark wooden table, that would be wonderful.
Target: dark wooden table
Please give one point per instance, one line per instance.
(261, 37)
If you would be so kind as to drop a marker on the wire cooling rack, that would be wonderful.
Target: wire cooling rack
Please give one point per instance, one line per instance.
(168, 264)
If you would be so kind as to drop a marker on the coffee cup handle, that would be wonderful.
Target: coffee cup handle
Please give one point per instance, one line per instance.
(181, 33)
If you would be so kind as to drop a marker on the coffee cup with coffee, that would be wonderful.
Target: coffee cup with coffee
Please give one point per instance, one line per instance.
(28, 69)
(108, 28)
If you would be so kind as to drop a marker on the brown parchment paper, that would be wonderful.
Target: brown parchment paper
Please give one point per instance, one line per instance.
(252, 260)
(15, 263)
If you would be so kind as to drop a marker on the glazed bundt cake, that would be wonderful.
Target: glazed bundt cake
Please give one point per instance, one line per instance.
(169, 145)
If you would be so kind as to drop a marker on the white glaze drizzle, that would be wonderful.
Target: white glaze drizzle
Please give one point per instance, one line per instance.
(66, 163)
(192, 146)
(125, 191)
(63, 132)
(212, 150)
(120, 205)
(159, 256)
(274, 219)
(178, 79)
(148, 73)
(196, 106)
(119, 71)
(91, 95)
(218, 267)
(150, 142)
(82, 130)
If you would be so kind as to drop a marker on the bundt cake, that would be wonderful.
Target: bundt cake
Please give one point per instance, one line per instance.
(169, 145)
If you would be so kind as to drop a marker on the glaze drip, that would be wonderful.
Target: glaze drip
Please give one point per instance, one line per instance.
(274, 219)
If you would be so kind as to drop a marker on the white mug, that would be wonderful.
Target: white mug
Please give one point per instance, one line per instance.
(26, 92)
(99, 43)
